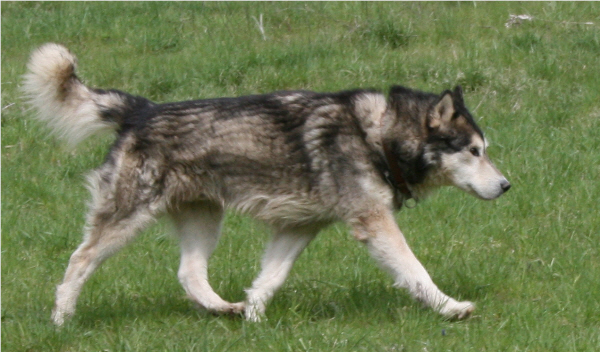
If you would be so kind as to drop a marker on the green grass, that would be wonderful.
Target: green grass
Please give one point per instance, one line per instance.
(530, 259)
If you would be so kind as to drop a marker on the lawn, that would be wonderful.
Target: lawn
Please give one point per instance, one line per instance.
(530, 259)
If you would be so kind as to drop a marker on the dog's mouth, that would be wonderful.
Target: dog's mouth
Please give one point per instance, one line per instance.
(502, 188)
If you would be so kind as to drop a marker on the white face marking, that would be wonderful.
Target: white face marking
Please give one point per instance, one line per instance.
(472, 171)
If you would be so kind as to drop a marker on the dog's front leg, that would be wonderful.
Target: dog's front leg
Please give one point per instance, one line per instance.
(379, 231)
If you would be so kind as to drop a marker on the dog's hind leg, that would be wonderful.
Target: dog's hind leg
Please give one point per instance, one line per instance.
(388, 246)
(106, 233)
(199, 227)
(123, 203)
(277, 262)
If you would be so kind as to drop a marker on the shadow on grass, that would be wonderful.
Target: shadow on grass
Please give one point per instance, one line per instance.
(310, 300)
(320, 300)
(125, 309)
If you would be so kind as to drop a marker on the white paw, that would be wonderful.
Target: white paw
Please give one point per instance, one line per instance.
(237, 308)
(59, 317)
(222, 308)
(254, 313)
(457, 310)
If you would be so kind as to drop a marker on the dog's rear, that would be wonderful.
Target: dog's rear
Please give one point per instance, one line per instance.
(148, 172)
(72, 110)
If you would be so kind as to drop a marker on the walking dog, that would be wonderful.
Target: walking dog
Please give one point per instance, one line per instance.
(297, 160)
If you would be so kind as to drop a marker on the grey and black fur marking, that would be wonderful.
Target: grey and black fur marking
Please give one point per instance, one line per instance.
(297, 160)
(293, 136)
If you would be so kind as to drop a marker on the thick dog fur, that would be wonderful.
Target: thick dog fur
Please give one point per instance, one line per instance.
(296, 160)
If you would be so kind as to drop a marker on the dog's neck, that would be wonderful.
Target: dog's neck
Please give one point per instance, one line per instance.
(372, 110)
(394, 175)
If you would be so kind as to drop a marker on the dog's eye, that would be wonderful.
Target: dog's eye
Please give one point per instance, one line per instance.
(474, 151)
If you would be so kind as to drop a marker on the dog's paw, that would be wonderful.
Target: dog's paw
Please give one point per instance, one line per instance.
(231, 309)
(59, 317)
(236, 308)
(254, 313)
(457, 310)
(223, 308)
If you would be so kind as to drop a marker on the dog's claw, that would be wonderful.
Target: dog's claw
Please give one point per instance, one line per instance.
(457, 310)
(231, 309)
(237, 308)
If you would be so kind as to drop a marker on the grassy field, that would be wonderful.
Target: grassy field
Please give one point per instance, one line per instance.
(530, 260)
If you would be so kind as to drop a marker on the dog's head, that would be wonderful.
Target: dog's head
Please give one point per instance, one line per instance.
(436, 142)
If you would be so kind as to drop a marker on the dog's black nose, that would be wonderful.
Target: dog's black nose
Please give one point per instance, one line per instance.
(505, 186)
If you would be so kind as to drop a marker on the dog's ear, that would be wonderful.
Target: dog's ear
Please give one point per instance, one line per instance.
(443, 110)
(458, 96)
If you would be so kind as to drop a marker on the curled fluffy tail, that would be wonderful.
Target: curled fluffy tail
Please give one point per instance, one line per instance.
(72, 110)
